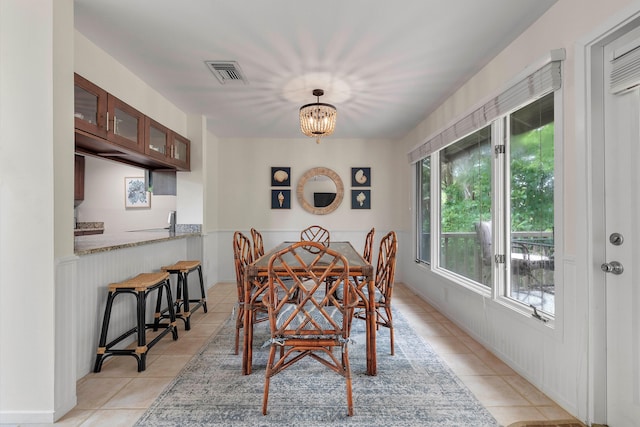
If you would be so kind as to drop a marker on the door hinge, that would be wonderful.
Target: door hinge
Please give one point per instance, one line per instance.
(499, 149)
(500, 259)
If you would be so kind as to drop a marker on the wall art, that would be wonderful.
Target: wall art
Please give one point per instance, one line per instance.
(361, 177)
(280, 199)
(135, 193)
(280, 176)
(360, 199)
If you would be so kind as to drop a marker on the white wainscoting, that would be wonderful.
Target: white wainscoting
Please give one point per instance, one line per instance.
(551, 358)
(65, 330)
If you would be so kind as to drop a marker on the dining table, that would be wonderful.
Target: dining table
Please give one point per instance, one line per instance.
(360, 271)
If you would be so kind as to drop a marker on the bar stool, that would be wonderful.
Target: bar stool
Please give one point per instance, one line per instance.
(139, 286)
(183, 307)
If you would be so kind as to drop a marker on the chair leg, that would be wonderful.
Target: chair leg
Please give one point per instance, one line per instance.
(239, 324)
(267, 378)
(347, 370)
(390, 324)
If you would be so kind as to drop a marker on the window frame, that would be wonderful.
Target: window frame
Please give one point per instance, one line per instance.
(501, 213)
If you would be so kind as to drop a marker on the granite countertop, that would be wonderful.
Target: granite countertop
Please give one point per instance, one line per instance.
(89, 244)
(85, 228)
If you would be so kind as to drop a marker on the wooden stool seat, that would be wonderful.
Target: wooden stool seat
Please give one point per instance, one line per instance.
(184, 306)
(139, 286)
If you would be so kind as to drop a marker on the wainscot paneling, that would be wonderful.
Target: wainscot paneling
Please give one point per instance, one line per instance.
(96, 271)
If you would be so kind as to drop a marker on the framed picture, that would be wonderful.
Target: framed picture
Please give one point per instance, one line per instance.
(280, 199)
(361, 177)
(360, 199)
(280, 176)
(135, 193)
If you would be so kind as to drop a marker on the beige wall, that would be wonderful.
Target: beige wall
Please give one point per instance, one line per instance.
(244, 193)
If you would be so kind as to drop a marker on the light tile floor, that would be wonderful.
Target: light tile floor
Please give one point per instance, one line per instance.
(119, 395)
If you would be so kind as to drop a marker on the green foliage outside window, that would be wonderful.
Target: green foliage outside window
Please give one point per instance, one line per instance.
(466, 184)
(532, 180)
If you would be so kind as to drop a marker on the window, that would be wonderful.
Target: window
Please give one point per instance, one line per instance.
(465, 201)
(472, 213)
(531, 158)
(423, 185)
(495, 176)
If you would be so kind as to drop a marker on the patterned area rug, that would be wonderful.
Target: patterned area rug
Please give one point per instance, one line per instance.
(412, 388)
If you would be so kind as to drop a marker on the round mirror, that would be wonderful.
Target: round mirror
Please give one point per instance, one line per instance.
(320, 191)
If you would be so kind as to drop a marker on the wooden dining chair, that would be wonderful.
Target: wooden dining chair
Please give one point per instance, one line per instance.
(315, 233)
(368, 245)
(258, 244)
(318, 322)
(243, 256)
(384, 277)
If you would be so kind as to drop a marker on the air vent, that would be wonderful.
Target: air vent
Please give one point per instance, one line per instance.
(227, 71)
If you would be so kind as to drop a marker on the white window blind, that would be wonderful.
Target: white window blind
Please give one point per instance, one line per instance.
(625, 71)
(538, 83)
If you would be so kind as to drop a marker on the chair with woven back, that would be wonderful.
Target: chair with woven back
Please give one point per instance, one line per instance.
(318, 321)
(258, 244)
(368, 245)
(384, 277)
(243, 256)
(315, 233)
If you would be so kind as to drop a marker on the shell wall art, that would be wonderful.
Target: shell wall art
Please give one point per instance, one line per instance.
(280, 197)
(280, 176)
(360, 197)
(361, 177)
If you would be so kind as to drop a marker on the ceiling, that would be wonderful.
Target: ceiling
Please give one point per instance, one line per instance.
(384, 64)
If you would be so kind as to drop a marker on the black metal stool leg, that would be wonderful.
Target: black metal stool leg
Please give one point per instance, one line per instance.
(202, 293)
(141, 350)
(103, 333)
(158, 313)
(172, 313)
(182, 277)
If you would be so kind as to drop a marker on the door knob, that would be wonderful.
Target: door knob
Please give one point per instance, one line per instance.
(612, 267)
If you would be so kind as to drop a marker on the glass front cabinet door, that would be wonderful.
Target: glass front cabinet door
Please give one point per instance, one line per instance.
(157, 140)
(180, 152)
(90, 112)
(125, 125)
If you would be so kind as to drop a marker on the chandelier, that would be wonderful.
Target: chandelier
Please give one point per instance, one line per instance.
(319, 119)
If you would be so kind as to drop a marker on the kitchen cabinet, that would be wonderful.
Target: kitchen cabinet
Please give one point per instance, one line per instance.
(110, 128)
(164, 144)
(180, 152)
(90, 107)
(102, 114)
(125, 125)
(78, 180)
(156, 139)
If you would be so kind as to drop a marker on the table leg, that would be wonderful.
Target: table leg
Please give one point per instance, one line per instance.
(247, 350)
(372, 368)
(248, 322)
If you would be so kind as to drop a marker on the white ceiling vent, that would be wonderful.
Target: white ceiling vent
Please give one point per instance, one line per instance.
(227, 71)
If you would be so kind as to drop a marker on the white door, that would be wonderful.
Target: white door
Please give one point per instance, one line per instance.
(622, 216)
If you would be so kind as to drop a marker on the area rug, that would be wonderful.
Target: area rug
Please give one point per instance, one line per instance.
(413, 388)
